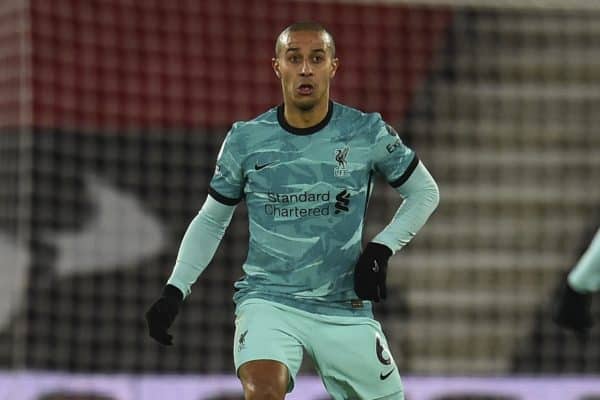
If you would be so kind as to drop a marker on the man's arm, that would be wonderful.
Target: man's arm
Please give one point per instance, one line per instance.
(421, 197)
(572, 305)
(202, 237)
(197, 249)
(200, 243)
(585, 277)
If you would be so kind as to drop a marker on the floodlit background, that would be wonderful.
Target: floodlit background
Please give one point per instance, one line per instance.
(111, 116)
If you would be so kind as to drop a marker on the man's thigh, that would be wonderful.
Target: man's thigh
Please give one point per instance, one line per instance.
(261, 334)
(354, 360)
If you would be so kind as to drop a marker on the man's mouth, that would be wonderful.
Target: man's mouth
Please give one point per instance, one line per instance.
(305, 89)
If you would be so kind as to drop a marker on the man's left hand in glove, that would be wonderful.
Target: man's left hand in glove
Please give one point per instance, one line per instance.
(370, 272)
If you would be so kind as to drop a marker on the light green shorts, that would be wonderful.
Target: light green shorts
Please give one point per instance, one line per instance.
(350, 353)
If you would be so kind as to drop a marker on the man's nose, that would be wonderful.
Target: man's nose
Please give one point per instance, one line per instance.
(306, 68)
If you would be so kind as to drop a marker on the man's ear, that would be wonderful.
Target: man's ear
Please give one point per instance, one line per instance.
(335, 63)
(275, 64)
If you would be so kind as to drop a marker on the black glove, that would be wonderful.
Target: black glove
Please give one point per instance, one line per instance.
(162, 313)
(572, 310)
(370, 271)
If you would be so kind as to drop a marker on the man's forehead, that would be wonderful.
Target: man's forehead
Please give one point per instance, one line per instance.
(314, 40)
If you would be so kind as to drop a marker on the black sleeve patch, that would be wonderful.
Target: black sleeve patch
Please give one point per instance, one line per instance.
(411, 167)
(228, 201)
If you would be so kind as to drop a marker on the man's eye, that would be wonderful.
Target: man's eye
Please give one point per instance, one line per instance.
(317, 59)
(294, 59)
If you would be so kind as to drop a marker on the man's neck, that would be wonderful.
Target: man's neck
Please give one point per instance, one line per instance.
(306, 118)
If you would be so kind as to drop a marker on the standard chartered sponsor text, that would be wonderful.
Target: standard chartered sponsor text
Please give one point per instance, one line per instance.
(297, 205)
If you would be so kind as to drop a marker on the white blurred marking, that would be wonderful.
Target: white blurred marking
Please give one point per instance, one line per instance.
(14, 261)
(121, 233)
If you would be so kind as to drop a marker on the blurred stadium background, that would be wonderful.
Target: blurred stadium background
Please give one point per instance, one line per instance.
(111, 116)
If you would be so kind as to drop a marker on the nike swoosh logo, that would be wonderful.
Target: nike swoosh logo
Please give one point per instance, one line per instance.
(383, 377)
(259, 167)
(375, 267)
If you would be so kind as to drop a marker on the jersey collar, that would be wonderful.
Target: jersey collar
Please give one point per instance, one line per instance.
(304, 131)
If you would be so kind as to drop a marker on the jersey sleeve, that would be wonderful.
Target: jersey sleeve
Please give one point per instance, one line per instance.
(227, 183)
(393, 159)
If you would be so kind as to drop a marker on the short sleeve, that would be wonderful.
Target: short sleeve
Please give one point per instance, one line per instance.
(227, 183)
(393, 159)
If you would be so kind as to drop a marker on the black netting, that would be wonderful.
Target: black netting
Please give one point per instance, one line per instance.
(130, 101)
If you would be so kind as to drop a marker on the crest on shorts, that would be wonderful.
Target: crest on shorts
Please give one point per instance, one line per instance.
(242, 340)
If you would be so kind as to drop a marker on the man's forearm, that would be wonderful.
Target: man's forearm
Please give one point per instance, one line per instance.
(421, 197)
(200, 243)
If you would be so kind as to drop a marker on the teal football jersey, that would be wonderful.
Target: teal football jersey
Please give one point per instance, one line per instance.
(307, 191)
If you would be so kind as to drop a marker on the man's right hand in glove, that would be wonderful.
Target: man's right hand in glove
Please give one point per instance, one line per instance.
(162, 313)
(572, 310)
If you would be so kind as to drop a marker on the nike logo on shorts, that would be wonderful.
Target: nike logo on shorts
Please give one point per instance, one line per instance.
(383, 376)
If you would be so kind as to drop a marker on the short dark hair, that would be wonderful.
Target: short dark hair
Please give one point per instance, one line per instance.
(305, 26)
